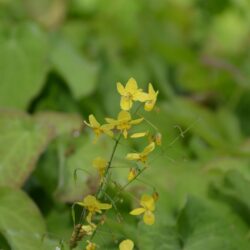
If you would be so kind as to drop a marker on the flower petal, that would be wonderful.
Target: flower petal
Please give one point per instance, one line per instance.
(149, 218)
(136, 121)
(125, 103)
(89, 200)
(107, 129)
(149, 148)
(149, 105)
(120, 89)
(140, 96)
(137, 211)
(124, 116)
(104, 206)
(126, 245)
(99, 163)
(111, 121)
(148, 202)
(125, 133)
(132, 174)
(151, 90)
(133, 156)
(131, 86)
(138, 135)
(93, 122)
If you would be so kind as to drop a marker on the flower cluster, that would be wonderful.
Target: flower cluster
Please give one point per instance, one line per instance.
(121, 128)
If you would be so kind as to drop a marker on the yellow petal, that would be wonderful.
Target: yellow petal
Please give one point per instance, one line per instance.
(131, 86)
(107, 129)
(138, 135)
(149, 218)
(99, 163)
(148, 202)
(111, 121)
(93, 122)
(107, 126)
(124, 116)
(133, 156)
(125, 133)
(126, 245)
(89, 200)
(149, 148)
(126, 103)
(120, 89)
(151, 90)
(138, 211)
(131, 174)
(140, 96)
(136, 121)
(149, 105)
(104, 206)
(109, 133)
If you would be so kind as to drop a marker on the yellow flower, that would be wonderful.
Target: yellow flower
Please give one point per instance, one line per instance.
(130, 93)
(147, 207)
(143, 155)
(93, 205)
(91, 246)
(131, 174)
(100, 164)
(126, 245)
(124, 122)
(98, 128)
(152, 96)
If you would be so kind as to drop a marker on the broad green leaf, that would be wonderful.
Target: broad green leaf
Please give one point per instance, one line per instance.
(22, 141)
(199, 226)
(234, 191)
(62, 123)
(79, 73)
(202, 227)
(23, 66)
(162, 237)
(204, 123)
(21, 222)
(79, 164)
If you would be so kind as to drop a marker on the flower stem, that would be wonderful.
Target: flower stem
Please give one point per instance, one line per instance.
(100, 191)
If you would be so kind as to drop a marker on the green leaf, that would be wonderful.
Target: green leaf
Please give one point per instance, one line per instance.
(234, 191)
(203, 227)
(21, 222)
(23, 66)
(199, 226)
(204, 123)
(71, 189)
(21, 143)
(79, 73)
(61, 123)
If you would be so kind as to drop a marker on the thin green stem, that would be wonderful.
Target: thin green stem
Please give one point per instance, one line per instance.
(102, 186)
(127, 184)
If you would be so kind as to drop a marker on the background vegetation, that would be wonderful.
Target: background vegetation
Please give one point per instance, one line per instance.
(59, 62)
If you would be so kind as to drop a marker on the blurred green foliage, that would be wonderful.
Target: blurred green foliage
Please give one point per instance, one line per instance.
(59, 62)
